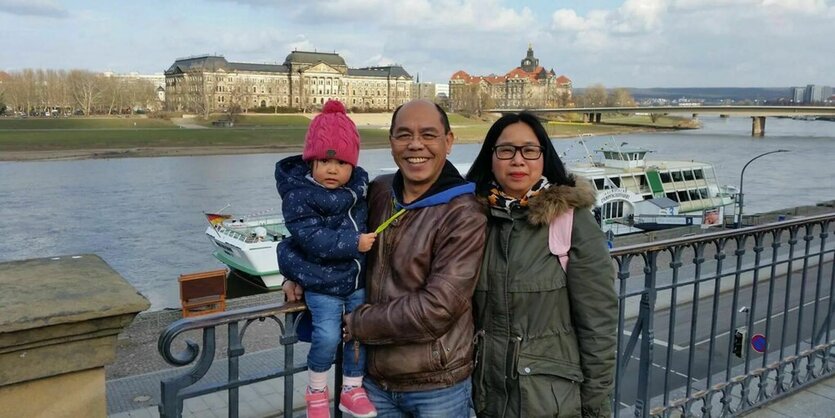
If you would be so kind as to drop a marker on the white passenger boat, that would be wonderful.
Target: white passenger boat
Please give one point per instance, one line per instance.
(636, 195)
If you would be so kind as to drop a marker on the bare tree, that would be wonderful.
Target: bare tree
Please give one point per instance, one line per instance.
(85, 89)
(472, 99)
(195, 92)
(620, 97)
(595, 96)
(241, 97)
(55, 88)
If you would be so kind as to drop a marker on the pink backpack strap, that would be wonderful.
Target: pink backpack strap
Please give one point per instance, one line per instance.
(559, 236)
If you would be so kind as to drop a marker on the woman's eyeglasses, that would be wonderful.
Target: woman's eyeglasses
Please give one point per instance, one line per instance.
(507, 152)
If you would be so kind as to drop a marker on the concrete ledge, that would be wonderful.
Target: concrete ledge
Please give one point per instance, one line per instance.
(69, 395)
(59, 322)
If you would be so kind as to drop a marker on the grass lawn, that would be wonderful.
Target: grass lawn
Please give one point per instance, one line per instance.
(263, 120)
(38, 140)
(645, 120)
(84, 123)
(456, 119)
(280, 131)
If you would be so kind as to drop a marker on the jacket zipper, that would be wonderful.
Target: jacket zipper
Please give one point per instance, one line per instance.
(356, 228)
(480, 352)
(388, 240)
(507, 281)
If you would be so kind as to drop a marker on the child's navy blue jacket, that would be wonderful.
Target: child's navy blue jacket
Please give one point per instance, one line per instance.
(321, 254)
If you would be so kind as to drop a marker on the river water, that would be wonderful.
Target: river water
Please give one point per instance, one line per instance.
(144, 215)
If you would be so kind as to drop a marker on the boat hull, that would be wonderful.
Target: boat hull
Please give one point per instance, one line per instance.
(255, 258)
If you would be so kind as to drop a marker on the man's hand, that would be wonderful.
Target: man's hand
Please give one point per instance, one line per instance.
(293, 292)
(346, 325)
(366, 241)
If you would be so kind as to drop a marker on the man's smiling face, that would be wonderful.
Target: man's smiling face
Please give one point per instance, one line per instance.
(419, 145)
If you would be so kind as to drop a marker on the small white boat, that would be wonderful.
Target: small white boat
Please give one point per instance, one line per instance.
(248, 246)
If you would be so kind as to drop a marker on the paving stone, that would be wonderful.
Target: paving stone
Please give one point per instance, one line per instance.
(261, 407)
(144, 413)
(195, 405)
(805, 404)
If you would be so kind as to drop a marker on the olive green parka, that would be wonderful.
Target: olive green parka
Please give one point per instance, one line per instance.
(545, 340)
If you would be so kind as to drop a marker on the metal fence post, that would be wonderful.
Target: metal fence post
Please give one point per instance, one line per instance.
(646, 310)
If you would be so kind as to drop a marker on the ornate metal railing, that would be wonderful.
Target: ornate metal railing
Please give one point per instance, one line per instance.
(721, 323)
(712, 325)
(188, 385)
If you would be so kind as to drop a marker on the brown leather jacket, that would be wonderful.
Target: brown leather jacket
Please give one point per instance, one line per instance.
(422, 271)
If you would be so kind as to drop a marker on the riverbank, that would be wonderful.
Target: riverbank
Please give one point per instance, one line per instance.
(190, 151)
(46, 140)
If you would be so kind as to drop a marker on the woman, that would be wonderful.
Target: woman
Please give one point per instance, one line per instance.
(546, 335)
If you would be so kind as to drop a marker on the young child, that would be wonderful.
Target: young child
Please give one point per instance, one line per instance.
(323, 195)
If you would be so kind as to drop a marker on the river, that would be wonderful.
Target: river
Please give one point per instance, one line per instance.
(143, 215)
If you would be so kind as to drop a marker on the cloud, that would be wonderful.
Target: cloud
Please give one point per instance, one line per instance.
(639, 16)
(568, 20)
(617, 43)
(802, 7)
(44, 8)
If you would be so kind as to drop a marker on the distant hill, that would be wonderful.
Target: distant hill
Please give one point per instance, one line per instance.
(708, 93)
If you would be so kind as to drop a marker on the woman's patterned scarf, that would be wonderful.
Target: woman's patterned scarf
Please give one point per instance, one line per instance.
(500, 200)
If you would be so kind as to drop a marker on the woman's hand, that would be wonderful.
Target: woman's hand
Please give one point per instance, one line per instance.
(346, 326)
(293, 292)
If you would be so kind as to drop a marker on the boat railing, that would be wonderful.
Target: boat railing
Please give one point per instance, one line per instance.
(245, 237)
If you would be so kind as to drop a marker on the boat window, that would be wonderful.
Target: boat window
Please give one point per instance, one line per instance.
(683, 196)
(704, 193)
(598, 183)
(688, 175)
(672, 196)
(665, 178)
(613, 210)
(694, 194)
(699, 174)
(676, 175)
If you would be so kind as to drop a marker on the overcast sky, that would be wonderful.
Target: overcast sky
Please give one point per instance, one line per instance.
(631, 43)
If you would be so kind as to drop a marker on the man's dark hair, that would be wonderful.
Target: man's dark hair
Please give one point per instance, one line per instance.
(444, 119)
(481, 172)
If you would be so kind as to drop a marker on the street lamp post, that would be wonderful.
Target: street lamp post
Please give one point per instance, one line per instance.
(739, 196)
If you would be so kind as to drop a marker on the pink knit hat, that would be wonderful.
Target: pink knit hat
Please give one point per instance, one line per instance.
(332, 135)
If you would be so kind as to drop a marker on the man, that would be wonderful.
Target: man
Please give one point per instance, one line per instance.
(422, 271)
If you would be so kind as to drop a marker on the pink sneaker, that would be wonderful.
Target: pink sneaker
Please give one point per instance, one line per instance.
(318, 404)
(356, 403)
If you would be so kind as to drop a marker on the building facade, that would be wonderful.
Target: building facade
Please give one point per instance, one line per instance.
(304, 81)
(527, 86)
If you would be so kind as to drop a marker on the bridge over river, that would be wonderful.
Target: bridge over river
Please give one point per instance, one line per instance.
(756, 113)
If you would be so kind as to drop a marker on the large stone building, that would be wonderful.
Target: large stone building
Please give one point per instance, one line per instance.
(527, 86)
(305, 81)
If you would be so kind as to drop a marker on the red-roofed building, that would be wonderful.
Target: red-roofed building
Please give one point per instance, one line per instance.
(527, 86)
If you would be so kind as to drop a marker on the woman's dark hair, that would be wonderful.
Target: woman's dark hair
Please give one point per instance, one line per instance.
(481, 172)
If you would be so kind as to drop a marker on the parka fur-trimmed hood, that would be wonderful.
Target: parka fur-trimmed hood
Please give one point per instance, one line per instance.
(555, 200)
